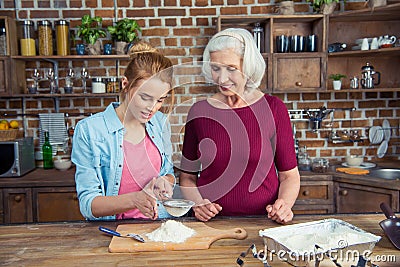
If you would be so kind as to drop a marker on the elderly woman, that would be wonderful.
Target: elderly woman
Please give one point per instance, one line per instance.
(238, 153)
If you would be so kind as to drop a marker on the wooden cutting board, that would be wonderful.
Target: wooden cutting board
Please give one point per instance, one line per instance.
(203, 238)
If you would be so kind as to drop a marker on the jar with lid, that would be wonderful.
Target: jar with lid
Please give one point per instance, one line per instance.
(45, 38)
(320, 165)
(62, 37)
(3, 41)
(304, 160)
(113, 85)
(26, 36)
(98, 85)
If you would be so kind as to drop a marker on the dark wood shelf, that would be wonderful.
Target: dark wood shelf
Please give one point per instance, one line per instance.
(72, 57)
(383, 13)
(372, 90)
(392, 51)
(47, 95)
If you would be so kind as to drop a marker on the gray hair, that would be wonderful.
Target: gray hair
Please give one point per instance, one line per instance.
(243, 44)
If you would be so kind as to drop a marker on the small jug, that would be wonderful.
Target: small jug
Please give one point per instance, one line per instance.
(386, 40)
(354, 83)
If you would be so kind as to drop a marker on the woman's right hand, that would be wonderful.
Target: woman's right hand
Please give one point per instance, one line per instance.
(205, 210)
(146, 202)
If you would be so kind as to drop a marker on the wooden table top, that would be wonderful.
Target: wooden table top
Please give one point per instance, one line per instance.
(82, 244)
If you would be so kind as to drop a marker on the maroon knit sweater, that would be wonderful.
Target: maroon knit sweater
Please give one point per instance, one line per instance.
(238, 152)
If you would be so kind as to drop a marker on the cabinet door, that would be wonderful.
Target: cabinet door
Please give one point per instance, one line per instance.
(17, 205)
(56, 204)
(352, 198)
(301, 72)
(315, 197)
(4, 67)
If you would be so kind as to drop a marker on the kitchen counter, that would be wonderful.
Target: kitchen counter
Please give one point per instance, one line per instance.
(82, 244)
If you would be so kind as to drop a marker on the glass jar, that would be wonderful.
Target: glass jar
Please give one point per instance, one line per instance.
(62, 37)
(45, 38)
(113, 85)
(320, 165)
(3, 42)
(26, 33)
(304, 160)
(98, 85)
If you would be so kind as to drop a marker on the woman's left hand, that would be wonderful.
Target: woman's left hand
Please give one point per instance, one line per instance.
(280, 211)
(163, 188)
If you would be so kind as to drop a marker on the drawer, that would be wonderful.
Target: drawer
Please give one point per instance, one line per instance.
(312, 192)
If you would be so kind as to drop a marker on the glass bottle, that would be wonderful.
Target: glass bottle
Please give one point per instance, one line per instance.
(45, 38)
(26, 38)
(62, 37)
(47, 151)
(304, 160)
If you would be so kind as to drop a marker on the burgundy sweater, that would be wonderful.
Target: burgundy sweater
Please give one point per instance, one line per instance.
(238, 152)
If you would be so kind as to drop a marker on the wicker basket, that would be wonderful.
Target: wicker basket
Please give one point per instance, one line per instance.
(8, 135)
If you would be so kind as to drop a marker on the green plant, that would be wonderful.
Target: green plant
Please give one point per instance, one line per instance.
(337, 76)
(90, 29)
(125, 30)
(317, 4)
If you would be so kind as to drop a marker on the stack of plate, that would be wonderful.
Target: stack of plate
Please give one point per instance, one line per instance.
(54, 123)
(376, 135)
(380, 135)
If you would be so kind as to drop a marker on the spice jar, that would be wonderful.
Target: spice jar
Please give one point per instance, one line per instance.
(62, 37)
(98, 85)
(26, 38)
(3, 42)
(113, 85)
(320, 165)
(45, 38)
(304, 160)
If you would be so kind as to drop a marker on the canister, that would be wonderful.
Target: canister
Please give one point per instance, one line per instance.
(98, 85)
(62, 37)
(45, 38)
(113, 85)
(26, 32)
(3, 42)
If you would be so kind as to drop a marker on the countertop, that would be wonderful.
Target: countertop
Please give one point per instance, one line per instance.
(82, 244)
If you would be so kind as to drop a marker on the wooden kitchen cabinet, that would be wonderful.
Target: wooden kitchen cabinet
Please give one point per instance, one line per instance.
(356, 198)
(56, 204)
(4, 79)
(315, 195)
(17, 205)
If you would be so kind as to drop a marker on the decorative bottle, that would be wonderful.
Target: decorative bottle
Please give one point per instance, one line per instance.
(47, 151)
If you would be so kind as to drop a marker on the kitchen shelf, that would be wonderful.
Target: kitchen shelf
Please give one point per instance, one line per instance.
(47, 95)
(383, 13)
(72, 57)
(392, 51)
(340, 141)
(372, 90)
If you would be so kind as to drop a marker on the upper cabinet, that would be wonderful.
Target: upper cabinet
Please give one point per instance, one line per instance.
(292, 67)
(348, 27)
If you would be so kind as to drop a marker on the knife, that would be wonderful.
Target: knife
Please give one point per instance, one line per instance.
(115, 233)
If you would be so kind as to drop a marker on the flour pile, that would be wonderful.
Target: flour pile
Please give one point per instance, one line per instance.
(171, 231)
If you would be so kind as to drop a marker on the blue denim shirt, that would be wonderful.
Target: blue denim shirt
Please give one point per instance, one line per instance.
(98, 155)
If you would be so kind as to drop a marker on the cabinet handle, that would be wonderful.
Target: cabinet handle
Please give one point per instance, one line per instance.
(343, 192)
(306, 193)
(18, 198)
(299, 84)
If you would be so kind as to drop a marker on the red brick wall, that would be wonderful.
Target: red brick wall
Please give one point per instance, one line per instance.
(181, 29)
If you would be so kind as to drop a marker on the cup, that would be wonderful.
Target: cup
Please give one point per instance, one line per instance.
(297, 43)
(364, 44)
(282, 43)
(32, 89)
(80, 49)
(312, 43)
(68, 89)
(107, 49)
(374, 43)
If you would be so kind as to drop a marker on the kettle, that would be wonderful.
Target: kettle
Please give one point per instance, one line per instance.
(367, 76)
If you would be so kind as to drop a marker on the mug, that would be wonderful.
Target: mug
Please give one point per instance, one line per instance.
(80, 49)
(297, 43)
(282, 43)
(311, 43)
(107, 49)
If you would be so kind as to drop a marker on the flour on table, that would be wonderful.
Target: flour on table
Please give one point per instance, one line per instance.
(171, 231)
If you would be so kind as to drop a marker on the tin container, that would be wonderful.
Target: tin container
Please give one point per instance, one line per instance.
(98, 85)
(26, 34)
(62, 37)
(113, 85)
(302, 243)
(45, 33)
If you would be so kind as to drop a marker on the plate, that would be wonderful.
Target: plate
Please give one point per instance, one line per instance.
(382, 149)
(386, 129)
(364, 165)
(376, 134)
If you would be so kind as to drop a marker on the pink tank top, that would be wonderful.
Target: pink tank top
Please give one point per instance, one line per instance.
(142, 162)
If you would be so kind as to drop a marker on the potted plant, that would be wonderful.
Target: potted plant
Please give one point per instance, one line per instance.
(90, 31)
(337, 80)
(124, 32)
(323, 6)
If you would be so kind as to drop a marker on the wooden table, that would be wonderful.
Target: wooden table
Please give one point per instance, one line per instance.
(82, 244)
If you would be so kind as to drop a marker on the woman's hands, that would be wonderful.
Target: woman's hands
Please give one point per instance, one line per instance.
(280, 211)
(205, 210)
(163, 189)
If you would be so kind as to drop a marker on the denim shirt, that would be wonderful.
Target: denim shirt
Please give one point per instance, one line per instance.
(98, 155)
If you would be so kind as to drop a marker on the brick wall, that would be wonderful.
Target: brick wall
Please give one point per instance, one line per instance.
(181, 29)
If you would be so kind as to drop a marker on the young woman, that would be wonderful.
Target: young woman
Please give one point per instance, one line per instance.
(123, 154)
(238, 151)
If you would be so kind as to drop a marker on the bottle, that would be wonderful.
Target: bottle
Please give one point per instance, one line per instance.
(27, 38)
(62, 37)
(47, 151)
(303, 160)
(45, 38)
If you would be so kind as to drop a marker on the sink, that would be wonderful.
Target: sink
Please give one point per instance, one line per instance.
(390, 174)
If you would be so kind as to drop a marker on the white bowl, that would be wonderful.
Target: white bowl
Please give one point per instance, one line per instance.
(177, 207)
(62, 164)
(354, 160)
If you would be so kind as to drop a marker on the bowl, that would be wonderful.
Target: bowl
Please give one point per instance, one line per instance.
(177, 207)
(62, 164)
(354, 160)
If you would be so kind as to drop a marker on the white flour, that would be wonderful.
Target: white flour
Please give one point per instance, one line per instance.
(171, 231)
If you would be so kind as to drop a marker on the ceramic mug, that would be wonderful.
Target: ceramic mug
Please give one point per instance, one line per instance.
(311, 43)
(297, 43)
(282, 43)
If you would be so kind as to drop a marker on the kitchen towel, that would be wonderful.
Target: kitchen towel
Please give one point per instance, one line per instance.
(54, 123)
